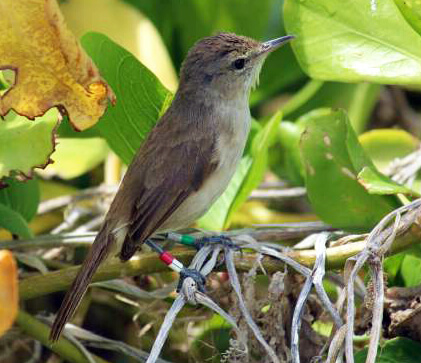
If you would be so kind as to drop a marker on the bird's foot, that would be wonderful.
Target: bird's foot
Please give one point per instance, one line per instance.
(224, 241)
(195, 275)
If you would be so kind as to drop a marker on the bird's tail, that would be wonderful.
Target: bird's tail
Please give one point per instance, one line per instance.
(97, 254)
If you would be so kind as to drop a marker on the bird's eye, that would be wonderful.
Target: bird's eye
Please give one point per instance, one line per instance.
(239, 63)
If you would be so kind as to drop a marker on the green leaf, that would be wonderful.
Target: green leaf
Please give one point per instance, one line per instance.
(14, 222)
(26, 144)
(3, 83)
(402, 350)
(31, 260)
(261, 20)
(333, 158)
(392, 266)
(74, 157)
(284, 157)
(377, 183)
(249, 174)
(385, 145)
(362, 104)
(410, 270)
(411, 10)
(65, 130)
(358, 99)
(21, 197)
(354, 41)
(140, 95)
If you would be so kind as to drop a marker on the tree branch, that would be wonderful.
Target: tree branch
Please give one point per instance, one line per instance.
(148, 263)
(40, 332)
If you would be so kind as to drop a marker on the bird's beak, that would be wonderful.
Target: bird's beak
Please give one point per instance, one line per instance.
(273, 44)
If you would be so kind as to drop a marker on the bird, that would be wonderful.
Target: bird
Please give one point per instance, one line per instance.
(188, 158)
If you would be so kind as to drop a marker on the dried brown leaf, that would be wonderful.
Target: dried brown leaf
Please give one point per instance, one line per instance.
(51, 67)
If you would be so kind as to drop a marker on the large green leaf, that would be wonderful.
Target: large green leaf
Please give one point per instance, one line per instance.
(284, 156)
(76, 156)
(333, 157)
(401, 350)
(392, 266)
(247, 177)
(140, 95)
(67, 131)
(411, 10)
(14, 222)
(22, 197)
(354, 41)
(410, 269)
(358, 99)
(26, 144)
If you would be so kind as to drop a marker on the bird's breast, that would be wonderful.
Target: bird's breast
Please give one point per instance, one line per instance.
(233, 128)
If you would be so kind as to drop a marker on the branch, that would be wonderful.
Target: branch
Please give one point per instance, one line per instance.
(148, 263)
(40, 332)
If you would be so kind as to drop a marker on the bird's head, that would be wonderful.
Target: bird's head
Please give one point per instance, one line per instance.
(226, 64)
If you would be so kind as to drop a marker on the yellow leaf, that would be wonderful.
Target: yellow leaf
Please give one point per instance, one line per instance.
(126, 25)
(51, 67)
(8, 290)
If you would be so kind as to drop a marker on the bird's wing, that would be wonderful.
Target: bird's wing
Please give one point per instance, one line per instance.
(172, 164)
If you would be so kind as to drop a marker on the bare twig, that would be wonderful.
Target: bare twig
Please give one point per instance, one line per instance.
(63, 201)
(149, 263)
(235, 283)
(379, 242)
(270, 194)
(189, 293)
(406, 169)
(63, 347)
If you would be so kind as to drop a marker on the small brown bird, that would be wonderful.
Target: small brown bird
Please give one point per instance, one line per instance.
(187, 160)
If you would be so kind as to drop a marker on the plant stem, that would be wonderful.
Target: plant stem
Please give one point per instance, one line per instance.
(148, 263)
(361, 107)
(301, 97)
(40, 332)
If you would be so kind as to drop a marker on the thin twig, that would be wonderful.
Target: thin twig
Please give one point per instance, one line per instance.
(270, 194)
(149, 263)
(235, 283)
(40, 332)
(378, 242)
(63, 201)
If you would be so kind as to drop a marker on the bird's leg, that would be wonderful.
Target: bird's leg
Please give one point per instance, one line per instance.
(177, 266)
(195, 275)
(199, 243)
(224, 241)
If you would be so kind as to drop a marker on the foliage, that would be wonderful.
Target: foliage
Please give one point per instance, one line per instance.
(51, 68)
(333, 161)
(395, 350)
(352, 43)
(16, 134)
(140, 96)
(343, 126)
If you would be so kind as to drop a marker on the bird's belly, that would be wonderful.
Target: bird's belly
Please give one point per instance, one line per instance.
(234, 125)
(199, 203)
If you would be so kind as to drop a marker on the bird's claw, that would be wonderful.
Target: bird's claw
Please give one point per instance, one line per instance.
(219, 240)
(195, 275)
